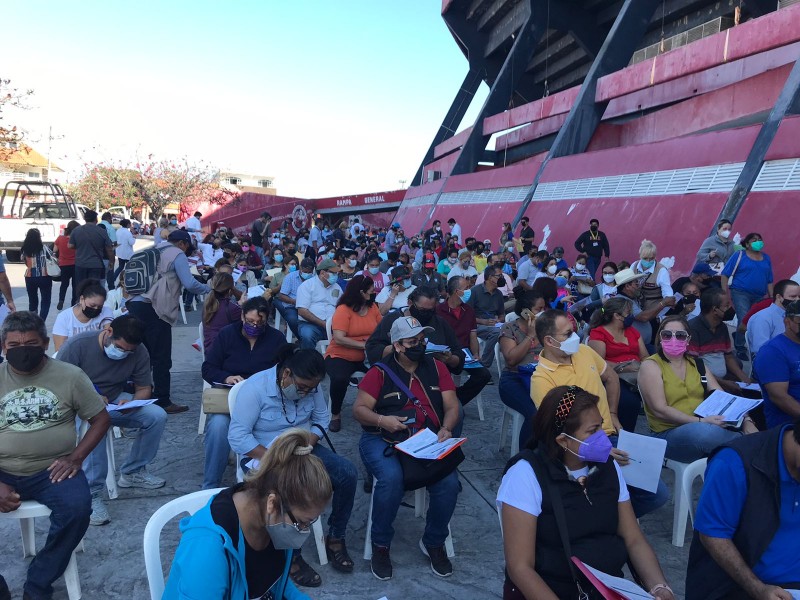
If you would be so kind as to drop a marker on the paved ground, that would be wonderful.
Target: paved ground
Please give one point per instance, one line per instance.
(113, 566)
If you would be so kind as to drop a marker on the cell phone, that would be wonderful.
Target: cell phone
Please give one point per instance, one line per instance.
(526, 314)
(410, 421)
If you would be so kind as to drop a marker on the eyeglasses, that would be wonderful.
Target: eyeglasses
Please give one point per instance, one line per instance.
(303, 390)
(679, 335)
(414, 343)
(258, 323)
(301, 527)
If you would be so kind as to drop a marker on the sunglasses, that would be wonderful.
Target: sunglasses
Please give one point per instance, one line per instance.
(679, 335)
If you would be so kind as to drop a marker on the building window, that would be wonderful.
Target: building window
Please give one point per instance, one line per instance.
(233, 180)
(33, 175)
(265, 183)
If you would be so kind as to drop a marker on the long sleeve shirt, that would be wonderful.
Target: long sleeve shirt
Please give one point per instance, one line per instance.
(262, 413)
(765, 325)
(593, 244)
(230, 354)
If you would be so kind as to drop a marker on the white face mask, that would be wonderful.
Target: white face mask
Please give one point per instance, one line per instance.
(552, 269)
(571, 345)
(726, 233)
(580, 267)
(608, 278)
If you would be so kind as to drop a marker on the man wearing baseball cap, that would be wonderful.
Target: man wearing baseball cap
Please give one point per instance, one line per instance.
(384, 408)
(395, 295)
(427, 276)
(629, 286)
(159, 308)
(702, 276)
(316, 302)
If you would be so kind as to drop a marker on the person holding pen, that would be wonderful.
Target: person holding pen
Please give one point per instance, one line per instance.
(567, 486)
(671, 383)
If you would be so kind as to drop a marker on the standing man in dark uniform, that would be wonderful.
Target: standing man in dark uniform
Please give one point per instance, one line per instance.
(593, 244)
(526, 236)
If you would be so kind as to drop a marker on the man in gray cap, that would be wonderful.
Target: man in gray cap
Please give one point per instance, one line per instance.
(316, 302)
(159, 308)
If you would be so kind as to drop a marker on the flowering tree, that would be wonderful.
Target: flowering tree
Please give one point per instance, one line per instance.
(151, 184)
(10, 135)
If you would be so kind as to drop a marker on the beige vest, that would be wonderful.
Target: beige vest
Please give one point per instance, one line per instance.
(166, 291)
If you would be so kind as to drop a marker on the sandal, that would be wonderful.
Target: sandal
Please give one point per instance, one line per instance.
(337, 554)
(302, 574)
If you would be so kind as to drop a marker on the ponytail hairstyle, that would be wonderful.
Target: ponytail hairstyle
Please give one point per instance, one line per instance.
(221, 286)
(292, 473)
(605, 314)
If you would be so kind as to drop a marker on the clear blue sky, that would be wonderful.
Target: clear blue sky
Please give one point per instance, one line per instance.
(329, 97)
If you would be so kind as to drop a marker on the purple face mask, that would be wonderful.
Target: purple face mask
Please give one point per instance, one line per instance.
(596, 448)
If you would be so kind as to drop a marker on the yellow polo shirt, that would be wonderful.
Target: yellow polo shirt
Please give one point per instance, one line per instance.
(480, 263)
(584, 371)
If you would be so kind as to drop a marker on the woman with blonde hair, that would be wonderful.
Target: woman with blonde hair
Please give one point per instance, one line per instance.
(219, 308)
(656, 286)
(240, 545)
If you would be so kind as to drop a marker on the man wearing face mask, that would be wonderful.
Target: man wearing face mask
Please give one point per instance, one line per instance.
(285, 301)
(395, 295)
(427, 276)
(711, 341)
(768, 323)
(457, 313)
(39, 459)
(529, 271)
(316, 302)
(111, 359)
(435, 232)
(565, 361)
(159, 309)
(628, 285)
(490, 311)
(593, 244)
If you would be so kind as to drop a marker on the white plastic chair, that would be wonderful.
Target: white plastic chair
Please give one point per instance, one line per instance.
(201, 426)
(322, 345)
(685, 474)
(180, 305)
(319, 536)
(189, 503)
(515, 419)
(26, 513)
(420, 509)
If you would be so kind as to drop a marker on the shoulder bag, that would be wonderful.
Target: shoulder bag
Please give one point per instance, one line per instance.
(51, 264)
(419, 472)
(736, 266)
(215, 400)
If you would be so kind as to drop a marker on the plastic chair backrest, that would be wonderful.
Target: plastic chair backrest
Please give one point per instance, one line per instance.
(512, 316)
(328, 329)
(232, 395)
(190, 503)
(202, 339)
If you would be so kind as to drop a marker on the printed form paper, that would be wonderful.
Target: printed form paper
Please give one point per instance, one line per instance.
(425, 445)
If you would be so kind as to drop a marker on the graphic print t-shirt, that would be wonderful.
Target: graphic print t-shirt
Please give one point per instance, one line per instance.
(37, 415)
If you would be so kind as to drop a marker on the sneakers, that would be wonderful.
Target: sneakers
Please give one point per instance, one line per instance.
(99, 514)
(380, 563)
(440, 564)
(140, 479)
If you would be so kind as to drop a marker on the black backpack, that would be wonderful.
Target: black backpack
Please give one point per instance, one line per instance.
(141, 271)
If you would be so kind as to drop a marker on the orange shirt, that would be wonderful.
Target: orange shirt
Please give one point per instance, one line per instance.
(355, 327)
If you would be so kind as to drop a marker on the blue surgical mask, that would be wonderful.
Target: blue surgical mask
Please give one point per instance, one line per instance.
(646, 264)
(292, 268)
(374, 270)
(561, 281)
(278, 258)
(466, 295)
(331, 255)
(333, 278)
(115, 353)
(306, 275)
(173, 222)
(406, 283)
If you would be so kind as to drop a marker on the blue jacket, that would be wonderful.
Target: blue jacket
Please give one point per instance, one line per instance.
(207, 564)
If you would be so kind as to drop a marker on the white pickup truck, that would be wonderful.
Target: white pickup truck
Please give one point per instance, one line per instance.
(39, 204)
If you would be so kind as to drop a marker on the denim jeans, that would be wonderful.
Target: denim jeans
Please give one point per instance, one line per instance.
(742, 303)
(217, 449)
(642, 501)
(489, 335)
(39, 285)
(344, 477)
(515, 394)
(289, 314)
(158, 341)
(150, 421)
(310, 334)
(71, 505)
(112, 277)
(388, 494)
(592, 264)
(693, 441)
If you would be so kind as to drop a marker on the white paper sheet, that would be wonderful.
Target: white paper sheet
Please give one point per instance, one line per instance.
(129, 405)
(749, 386)
(626, 588)
(731, 407)
(255, 291)
(646, 455)
(434, 348)
(424, 445)
(795, 594)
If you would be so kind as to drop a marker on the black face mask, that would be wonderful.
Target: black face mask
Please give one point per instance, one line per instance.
(417, 353)
(25, 358)
(690, 299)
(90, 312)
(729, 314)
(424, 316)
(629, 320)
(594, 227)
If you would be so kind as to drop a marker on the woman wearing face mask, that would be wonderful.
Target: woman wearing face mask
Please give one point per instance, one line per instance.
(37, 281)
(507, 234)
(240, 350)
(520, 350)
(288, 265)
(384, 408)
(671, 386)
(619, 343)
(444, 266)
(372, 269)
(241, 544)
(463, 268)
(246, 278)
(718, 248)
(656, 286)
(355, 319)
(748, 276)
(349, 261)
(569, 458)
(580, 278)
(88, 313)
(287, 396)
(219, 308)
(550, 267)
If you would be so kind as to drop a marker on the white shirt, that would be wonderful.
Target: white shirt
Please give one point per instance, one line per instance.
(318, 299)
(457, 231)
(470, 271)
(356, 229)
(315, 235)
(194, 227)
(521, 489)
(125, 242)
(210, 254)
(401, 300)
(662, 279)
(607, 291)
(67, 324)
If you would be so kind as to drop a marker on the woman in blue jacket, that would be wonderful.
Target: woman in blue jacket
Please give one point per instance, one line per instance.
(239, 546)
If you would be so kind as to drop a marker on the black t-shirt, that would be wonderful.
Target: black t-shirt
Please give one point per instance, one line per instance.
(262, 567)
(528, 233)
